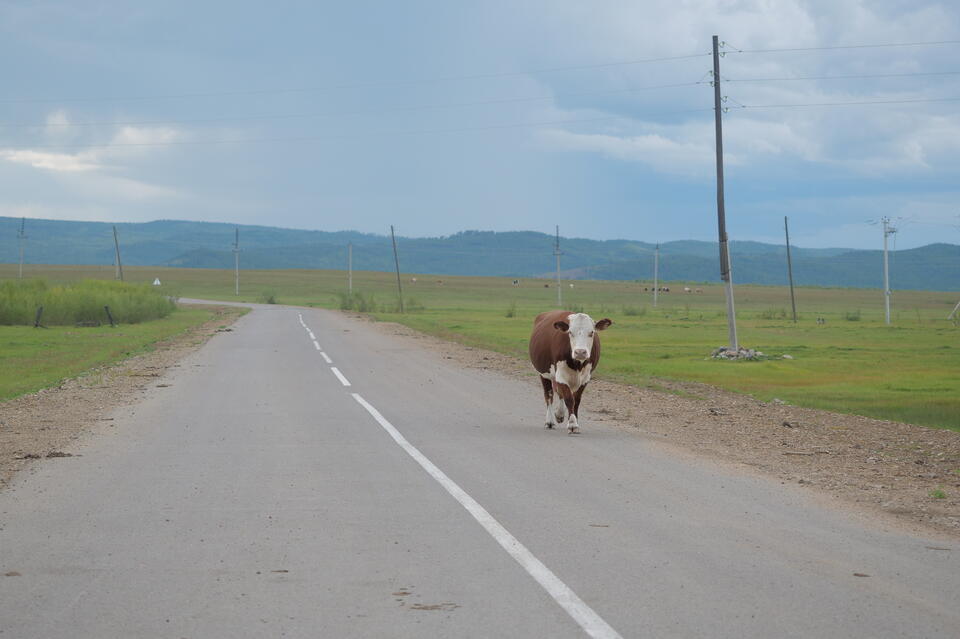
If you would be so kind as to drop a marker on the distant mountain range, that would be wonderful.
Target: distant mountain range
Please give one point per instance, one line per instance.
(510, 254)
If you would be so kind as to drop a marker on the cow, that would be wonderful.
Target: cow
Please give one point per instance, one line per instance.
(565, 350)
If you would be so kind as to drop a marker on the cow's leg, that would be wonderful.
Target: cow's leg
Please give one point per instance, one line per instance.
(559, 408)
(569, 401)
(548, 398)
(576, 403)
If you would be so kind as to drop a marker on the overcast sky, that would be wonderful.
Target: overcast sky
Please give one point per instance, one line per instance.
(444, 116)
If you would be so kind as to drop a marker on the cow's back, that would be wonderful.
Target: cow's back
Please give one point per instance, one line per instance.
(546, 342)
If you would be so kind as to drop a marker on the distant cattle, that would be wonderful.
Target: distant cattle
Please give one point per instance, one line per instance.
(565, 350)
(687, 289)
(516, 282)
(699, 290)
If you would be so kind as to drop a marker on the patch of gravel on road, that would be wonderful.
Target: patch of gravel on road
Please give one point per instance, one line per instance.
(908, 475)
(41, 424)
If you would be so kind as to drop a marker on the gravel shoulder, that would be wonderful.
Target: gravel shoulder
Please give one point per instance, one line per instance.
(903, 475)
(38, 426)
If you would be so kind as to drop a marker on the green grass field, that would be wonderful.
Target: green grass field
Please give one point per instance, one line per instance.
(35, 358)
(854, 363)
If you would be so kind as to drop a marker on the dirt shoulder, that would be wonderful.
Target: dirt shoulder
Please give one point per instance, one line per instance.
(40, 425)
(908, 475)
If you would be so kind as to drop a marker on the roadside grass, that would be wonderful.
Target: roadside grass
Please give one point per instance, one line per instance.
(84, 301)
(36, 358)
(909, 371)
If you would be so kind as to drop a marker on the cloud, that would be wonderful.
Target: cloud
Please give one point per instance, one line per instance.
(51, 161)
(98, 168)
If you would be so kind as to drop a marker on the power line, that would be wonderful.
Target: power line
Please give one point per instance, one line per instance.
(358, 85)
(845, 46)
(843, 77)
(853, 103)
(425, 107)
(353, 137)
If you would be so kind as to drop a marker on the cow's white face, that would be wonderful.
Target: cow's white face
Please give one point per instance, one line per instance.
(580, 329)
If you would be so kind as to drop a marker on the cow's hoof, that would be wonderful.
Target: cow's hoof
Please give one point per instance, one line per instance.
(573, 430)
(549, 426)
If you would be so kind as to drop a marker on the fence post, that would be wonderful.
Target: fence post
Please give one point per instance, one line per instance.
(36, 320)
(109, 316)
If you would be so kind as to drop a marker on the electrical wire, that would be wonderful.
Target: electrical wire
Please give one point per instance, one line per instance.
(853, 103)
(846, 46)
(843, 77)
(493, 127)
(358, 85)
(426, 107)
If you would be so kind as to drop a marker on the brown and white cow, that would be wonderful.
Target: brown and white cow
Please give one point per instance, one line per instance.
(565, 350)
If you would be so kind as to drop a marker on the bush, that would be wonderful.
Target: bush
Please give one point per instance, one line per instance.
(633, 311)
(81, 302)
(267, 297)
(511, 310)
(357, 302)
(852, 317)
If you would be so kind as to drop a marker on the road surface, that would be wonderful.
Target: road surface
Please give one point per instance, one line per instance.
(307, 475)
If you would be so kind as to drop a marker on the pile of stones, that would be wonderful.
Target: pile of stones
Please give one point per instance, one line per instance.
(725, 352)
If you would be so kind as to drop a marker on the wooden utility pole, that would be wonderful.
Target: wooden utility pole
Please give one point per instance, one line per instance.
(887, 231)
(793, 301)
(556, 251)
(236, 261)
(116, 245)
(396, 261)
(21, 236)
(725, 274)
(656, 273)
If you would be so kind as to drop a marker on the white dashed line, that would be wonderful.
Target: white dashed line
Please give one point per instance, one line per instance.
(317, 346)
(326, 358)
(583, 614)
(312, 336)
(343, 380)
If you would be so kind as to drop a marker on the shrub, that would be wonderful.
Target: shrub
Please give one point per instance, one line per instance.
(267, 297)
(773, 313)
(81, 302)
(852, 317)
(511, 310)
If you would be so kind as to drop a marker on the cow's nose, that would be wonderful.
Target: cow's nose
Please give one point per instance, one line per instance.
(580, 353)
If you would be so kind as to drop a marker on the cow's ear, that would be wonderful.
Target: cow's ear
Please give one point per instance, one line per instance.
(561, 326)
(602, 324)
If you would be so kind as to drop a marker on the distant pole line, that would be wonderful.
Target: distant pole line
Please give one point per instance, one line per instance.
(116, 244)
(887, 231)
(793, 301)
(556, 251)
(21, 236)
(954, 311)
(350, 268)
(656, 273)
(721, 214)
(236, 262)
(396, 261)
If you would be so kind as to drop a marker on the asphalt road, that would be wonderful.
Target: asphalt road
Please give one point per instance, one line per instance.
(257, 495)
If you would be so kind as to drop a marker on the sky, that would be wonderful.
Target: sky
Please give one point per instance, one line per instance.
(438, 116)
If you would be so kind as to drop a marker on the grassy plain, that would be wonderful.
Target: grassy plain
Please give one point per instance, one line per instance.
(909, 371)
(35, 358)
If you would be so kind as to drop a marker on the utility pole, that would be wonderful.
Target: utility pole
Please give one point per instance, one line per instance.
(396, 261)
(350, 268)
(116, 245)
(793, 301)
(887, 231)
(721, 214)
(656, 273)
(236, 261)
(21, 236)
(556, 251)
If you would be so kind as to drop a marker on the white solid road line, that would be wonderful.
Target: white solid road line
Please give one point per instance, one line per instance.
(326, 358)
(312, 336)
(343, 380)
(583, 614)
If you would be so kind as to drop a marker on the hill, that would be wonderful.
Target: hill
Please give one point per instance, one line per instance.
(509, 254)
